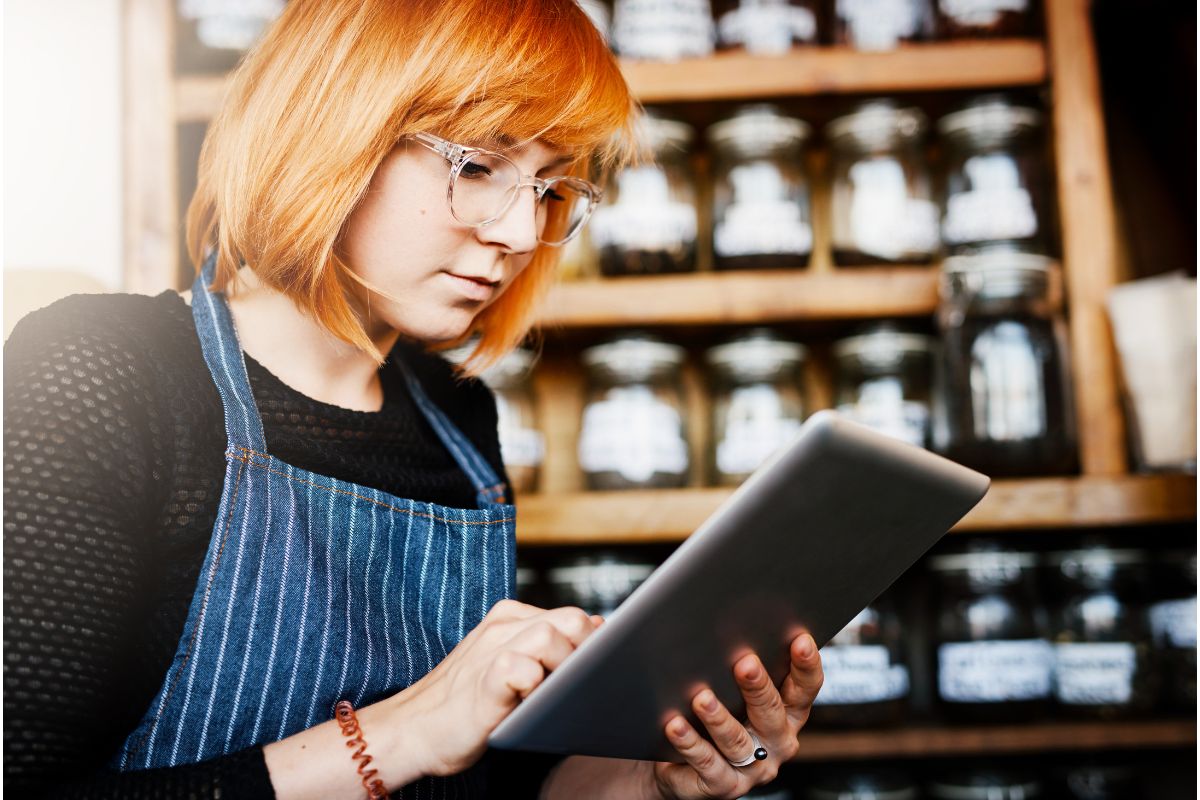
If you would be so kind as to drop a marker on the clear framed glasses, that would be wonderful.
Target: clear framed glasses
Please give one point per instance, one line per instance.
(484, 185)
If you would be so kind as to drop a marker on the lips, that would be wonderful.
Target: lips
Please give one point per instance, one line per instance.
(473, 287)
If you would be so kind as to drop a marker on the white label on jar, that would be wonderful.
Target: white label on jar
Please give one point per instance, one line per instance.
(980, 12)
(756, 426)
(663, 30)
(860, 674)
(1008, 395)
(884, 220)
(767, 27)
(633, 433)
(996, 207)
(995, 672)
(1094, 674)
(519, 446)
(645, 217)
(879, 24)
(1173, 623)
(762, 228)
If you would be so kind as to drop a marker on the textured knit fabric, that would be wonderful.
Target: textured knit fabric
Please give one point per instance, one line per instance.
(113, 466)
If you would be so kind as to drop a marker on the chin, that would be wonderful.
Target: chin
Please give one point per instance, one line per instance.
(447, 327)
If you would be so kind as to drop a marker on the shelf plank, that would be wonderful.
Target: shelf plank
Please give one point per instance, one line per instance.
(656, 516)
(707, 298)
(833, 70)
(924, 741)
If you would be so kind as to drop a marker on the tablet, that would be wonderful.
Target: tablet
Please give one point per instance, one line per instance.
(808, 541)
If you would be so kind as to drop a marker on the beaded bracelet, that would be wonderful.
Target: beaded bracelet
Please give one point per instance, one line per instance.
(348, 722)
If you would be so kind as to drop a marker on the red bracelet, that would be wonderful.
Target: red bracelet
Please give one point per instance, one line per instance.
(348, 721)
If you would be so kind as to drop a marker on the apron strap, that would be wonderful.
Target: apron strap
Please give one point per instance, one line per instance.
(223, 354)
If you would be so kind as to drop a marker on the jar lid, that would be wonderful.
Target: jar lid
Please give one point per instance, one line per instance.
(876, 122)
(1001, 274)
(603, 572)
(988, 118)
(756, 129)
(1093, 557)
(755, 352)
(637, 353)
(660, 133)
(873, 785)
(999, 260)
(985, 786)
(883, 344)
(982, 561)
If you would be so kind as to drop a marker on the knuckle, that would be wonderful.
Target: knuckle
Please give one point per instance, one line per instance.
(770, 772)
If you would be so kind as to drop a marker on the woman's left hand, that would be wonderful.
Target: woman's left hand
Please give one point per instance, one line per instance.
(775, 715)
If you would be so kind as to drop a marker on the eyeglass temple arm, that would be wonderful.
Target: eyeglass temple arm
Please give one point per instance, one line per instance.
(443, 148)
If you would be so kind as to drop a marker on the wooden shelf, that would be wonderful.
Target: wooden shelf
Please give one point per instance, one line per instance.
(832, 70)
(816, 745)
(1040, 503)
(743, 297)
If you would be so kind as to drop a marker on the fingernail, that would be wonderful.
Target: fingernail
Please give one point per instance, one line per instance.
(678, 727)
(753, 672)
(807, 646)
(709, 703)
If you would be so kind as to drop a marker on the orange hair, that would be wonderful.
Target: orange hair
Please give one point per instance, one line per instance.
(314, 108)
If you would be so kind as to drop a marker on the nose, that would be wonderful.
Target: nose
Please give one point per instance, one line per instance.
(516, 229)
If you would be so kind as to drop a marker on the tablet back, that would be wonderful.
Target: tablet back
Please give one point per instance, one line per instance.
(807, 542)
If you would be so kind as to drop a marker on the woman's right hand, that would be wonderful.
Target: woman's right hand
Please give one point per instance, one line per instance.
(456, 706)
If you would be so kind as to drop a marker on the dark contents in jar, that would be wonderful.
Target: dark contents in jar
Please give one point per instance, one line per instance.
(855, 258)
(1006, 375)
(761, 261)
(617, 261)
(981, 19)
(613, 481)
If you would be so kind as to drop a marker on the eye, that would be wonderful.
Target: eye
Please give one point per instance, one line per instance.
(553, 195)
(473, 169)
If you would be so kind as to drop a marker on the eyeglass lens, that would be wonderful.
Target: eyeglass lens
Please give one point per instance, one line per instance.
(485, 185)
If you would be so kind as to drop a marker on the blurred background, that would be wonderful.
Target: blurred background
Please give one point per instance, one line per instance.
(968, 223)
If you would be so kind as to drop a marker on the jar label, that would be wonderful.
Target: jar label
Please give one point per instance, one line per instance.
(880, 24)
(767, 27)
(756, 425)
(995, 208)
(860, 674)
(1093, 674)
(633, 433)
(980, 13)
(663, 30)
(1173, 623)
(1008, 392)
(520, 446)
(884, 220)
(995, 672)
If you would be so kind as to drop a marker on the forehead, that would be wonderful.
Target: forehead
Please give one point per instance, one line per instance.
(535, 149)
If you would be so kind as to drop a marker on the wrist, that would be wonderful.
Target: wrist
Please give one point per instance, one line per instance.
(391, 729)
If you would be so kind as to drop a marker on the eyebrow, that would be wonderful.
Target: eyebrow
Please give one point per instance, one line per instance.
(506, 142)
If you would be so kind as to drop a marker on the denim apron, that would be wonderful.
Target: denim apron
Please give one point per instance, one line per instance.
(315, 590)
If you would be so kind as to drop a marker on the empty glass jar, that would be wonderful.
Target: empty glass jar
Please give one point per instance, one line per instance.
(986, 784)
(881, 24)
(647, 222)
(662, 30)
(996, 179)
(1173, 626)
(761, 208)
(765, 27)
(883, 207)
(861, 784)
(884, 381)
(866, 673)
(1005, 402)
(634, 431)
(522, 445)
(1103, 660)
(994, 660)
(598, 581)
(757, 402)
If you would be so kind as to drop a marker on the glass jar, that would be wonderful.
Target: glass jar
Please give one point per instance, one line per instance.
(757, 402)
(212, 35)
(882, 195)
(522, 445)
(985, 784)
(1173, 627)
(1004, 395)
(600, 13)
(597, 582)
(884, 380)
(761, 210)
(994, 660)
(1103, 659)
(881, 24)
(996, 179)
(981, 19)
(862, 785)
(1101, 780)
(765, 27)
(662, 30)
(866, 674)
(647, 222)
(634, 430)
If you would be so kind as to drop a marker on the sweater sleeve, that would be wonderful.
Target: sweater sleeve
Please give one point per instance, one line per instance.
(85, 449)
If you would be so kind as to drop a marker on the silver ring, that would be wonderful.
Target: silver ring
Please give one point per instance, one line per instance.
(757, 753)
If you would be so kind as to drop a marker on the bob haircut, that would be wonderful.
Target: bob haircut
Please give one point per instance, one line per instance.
(320, 101)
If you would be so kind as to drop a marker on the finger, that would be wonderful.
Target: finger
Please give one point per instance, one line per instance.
(507, 610)
(705, 772)
(574, 623)
(597, 620)
(512, 676)
(764, 705)
(544, 642)
(729, 735)
(804, 679)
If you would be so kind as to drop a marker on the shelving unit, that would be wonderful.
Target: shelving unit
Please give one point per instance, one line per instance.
(1104, 495)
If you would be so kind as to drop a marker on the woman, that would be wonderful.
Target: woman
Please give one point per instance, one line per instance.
(230, 510)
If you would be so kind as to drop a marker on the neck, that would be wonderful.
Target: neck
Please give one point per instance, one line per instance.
(295, 348)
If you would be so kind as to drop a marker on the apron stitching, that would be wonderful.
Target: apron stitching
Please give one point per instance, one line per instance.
(237, 484)
(246, 459)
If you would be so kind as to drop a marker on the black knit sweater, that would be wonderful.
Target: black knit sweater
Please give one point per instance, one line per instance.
(113, 466)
